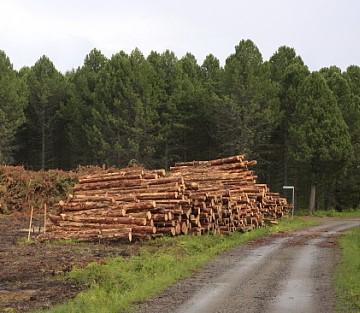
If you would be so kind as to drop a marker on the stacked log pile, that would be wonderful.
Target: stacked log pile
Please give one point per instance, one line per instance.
(219, 196)
(131, 202)
(227, 195)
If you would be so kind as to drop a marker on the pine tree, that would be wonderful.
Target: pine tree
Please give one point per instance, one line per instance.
(13, 95)
(252, 105)
(288, 71)
(79, 113)
(352, 75)
(345, 187)
(166, 85)
(319, 134)
(123, 110)
(42, 133)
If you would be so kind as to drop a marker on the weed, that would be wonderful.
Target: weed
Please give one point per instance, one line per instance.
(25, 242)
(348, 273)
(331, 213)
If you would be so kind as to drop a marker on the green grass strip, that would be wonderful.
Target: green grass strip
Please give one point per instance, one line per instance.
(331, 213)
(348, 273)
(120, 282)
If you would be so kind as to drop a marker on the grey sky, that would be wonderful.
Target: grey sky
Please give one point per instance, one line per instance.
(323, 32)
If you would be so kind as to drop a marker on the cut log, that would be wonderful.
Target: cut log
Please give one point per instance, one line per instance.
(217, 196)
(166, 230)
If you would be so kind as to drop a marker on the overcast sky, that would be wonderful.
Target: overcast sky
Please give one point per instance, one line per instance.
(323, 32)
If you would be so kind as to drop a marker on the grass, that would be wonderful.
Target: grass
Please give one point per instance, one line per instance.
(121, 282)
(348, 273)
(330, 213)
(61, 242)
(25, 242)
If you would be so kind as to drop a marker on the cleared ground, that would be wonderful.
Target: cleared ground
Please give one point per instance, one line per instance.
(32, 275)
(289, 272)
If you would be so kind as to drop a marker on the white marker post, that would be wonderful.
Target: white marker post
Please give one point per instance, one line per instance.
(293, 198)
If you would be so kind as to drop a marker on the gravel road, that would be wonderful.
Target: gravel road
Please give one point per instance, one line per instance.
(284, 273)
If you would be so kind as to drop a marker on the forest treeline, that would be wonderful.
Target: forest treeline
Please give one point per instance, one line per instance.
(303, 127)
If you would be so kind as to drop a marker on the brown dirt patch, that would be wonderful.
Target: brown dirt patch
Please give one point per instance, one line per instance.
(33, 276)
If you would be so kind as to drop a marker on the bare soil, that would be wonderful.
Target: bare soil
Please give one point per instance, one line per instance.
(32, 275)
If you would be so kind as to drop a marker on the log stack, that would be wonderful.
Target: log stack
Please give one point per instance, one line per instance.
(228, 196)
(219, 196)
(129, 203)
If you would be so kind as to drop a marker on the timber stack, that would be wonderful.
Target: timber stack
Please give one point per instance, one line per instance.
(227, 195)
(218, 196)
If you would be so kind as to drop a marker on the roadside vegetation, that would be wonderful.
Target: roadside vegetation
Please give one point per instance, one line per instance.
(348, 273)
(119, 282)
(330, 213)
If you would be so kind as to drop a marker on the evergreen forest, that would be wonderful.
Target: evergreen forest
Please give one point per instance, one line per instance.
(302, 126)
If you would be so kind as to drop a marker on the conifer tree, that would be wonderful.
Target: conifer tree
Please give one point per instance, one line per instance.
(319, 134)
(13, 95)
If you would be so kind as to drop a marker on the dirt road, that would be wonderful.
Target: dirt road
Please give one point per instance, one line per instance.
(286, 273)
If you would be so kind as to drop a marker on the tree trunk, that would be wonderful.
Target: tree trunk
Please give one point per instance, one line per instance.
(285, 159)
(43, 143)
(312, 198)
(166, 155)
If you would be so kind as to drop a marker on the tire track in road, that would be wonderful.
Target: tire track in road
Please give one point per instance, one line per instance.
(237, 281)
(289, 274)
(302, 290)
